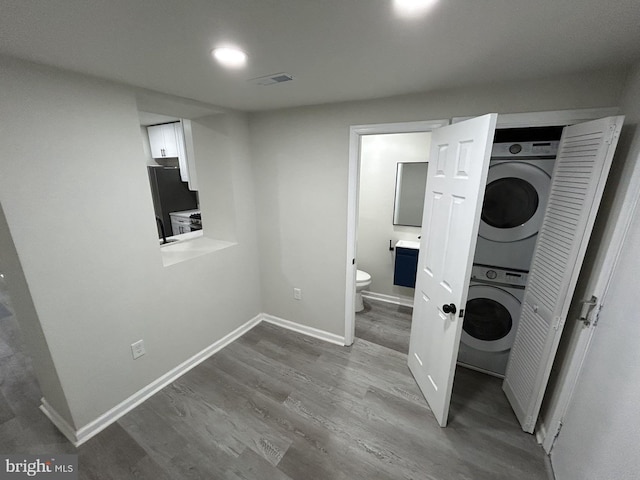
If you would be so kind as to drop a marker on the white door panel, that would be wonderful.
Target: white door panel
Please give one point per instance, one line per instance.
(580, 173)
(459, 161)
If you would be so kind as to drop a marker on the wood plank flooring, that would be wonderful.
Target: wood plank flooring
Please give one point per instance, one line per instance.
(386, 324)
(279, 405)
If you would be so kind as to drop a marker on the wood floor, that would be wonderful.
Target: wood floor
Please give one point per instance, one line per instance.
(279, 405)
(385, 324)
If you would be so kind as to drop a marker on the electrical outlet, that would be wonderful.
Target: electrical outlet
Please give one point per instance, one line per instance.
(297, 293)
(137, 349)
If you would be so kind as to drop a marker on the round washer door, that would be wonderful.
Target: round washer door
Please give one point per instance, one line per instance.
(514, 201)
(490, 318)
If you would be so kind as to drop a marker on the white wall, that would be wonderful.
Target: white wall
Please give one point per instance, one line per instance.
(300, 165)
(379, 157)
(31, 330)
(75, 196)
(73, 171)
(146, 147)
(600, 432)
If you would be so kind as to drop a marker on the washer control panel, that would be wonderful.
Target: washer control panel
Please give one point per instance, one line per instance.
(504, 276)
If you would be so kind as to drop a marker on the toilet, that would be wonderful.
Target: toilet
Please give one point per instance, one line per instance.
(363, 280)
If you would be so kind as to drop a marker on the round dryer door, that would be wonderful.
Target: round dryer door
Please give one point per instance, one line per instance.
(514, 201)
(490, 318)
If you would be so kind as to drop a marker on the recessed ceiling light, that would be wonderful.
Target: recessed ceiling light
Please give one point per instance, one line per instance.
(230, 57)
(413, 8)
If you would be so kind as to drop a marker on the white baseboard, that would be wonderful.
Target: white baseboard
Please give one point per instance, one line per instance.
(62, 425)
(395, 299)
(305, 330)
(78, 437)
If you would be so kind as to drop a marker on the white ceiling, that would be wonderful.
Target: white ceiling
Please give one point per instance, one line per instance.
(336, 50)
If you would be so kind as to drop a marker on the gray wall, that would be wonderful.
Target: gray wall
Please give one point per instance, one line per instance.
(600, 432)
(76, 202)
(300, 161)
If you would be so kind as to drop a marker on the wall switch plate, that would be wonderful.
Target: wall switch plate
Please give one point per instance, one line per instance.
(137, 349)
(297, 293)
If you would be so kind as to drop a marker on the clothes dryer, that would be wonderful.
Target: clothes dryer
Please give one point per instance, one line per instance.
(491, 318)
(518, 185)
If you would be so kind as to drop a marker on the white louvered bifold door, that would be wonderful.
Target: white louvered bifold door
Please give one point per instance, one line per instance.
(579, 176)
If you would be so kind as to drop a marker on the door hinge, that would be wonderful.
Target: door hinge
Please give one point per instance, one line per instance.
(587, 306)
(558, 323)
(596, 316)
(611, 134)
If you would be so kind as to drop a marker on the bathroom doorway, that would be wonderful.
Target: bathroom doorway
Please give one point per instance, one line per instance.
(375, 152)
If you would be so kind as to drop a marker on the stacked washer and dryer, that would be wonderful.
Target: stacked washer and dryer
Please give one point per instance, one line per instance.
(514, 205)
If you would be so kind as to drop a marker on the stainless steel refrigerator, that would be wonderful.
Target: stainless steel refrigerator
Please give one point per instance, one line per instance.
(170, 194)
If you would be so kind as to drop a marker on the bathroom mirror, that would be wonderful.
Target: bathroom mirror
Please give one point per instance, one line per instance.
(411, 181)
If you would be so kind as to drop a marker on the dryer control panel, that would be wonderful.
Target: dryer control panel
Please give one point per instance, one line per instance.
(525, 149)
(486, 273)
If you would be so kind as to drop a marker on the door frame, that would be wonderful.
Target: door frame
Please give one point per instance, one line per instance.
(505, 120)
(355, 134)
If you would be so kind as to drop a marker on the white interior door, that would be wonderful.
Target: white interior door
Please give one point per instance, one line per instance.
(458, 166)
(580, 173)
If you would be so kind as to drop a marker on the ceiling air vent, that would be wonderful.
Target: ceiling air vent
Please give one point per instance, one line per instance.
(271, 79)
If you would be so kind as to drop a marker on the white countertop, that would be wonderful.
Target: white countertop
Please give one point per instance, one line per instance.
(190, 245)
(408, 244)
(184, 213)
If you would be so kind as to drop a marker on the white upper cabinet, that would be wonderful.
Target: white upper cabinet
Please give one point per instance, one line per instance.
(186, 155)
(164, 140)
(174, 140)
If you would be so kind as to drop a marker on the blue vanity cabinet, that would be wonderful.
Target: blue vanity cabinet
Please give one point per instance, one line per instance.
(404, 273)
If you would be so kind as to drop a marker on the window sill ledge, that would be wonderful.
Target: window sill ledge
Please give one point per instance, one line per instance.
(190, 245)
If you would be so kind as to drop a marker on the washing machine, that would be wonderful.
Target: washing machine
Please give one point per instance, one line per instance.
(515, 199)
(491, 318)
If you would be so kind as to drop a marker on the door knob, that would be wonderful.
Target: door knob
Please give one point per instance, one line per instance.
(451, 308)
